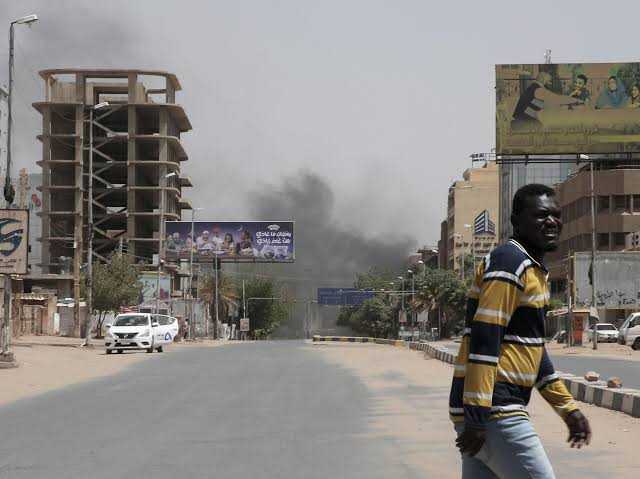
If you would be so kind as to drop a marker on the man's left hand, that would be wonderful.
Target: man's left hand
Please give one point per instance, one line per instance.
(579, 429)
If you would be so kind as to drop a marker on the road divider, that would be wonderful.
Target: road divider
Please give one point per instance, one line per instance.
(591, 392)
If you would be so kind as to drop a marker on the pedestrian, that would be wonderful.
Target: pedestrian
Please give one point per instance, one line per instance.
(502, 355)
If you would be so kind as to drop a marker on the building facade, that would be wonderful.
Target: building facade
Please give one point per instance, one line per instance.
(472, 212)
(123, 169)
(515, 175)
(617, 201)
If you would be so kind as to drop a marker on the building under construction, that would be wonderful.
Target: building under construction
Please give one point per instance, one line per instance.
(111, 156)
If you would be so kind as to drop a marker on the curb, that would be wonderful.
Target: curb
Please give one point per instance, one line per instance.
(597, 393)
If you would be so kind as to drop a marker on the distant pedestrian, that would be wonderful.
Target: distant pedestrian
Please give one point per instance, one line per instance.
(502, 356)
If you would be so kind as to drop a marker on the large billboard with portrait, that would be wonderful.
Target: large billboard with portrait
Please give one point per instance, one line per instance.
(567, 108)
(14, 241)
(231, 241)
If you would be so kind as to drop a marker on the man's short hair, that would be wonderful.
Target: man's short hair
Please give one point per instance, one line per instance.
(526, 192)
(583, 78)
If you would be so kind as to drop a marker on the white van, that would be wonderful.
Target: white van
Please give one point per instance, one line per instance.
(630, 331)
(140, 331)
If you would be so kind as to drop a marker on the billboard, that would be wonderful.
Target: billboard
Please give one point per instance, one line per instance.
(567, 108)
(231, 241)
(343, 296)
(14, 241)
(617, 279)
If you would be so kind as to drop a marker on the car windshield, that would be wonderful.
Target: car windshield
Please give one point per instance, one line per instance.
(132, 320)
(606, 327)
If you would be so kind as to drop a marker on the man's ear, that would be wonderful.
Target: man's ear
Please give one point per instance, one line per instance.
(514, 223)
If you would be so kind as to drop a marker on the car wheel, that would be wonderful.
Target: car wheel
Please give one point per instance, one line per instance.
(120, 351)
(149, 350)
(160, 349)
(636, 345)
(109, 351)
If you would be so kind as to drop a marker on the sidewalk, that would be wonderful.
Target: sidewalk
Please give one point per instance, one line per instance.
(410, 409)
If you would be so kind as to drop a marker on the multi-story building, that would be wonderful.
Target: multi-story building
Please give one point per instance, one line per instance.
(472, 210)
(515, 175)
(136, 152)
(617, 201)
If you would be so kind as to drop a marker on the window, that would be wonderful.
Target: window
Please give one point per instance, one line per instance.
(603, 241)
(603, 204)
(620, 203)
(618, 240)
(636, 203)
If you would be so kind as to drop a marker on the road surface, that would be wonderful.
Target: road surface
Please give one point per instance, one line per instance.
(274, 410)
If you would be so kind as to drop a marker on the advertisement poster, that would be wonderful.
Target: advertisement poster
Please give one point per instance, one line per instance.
(231, 241)
(149, 282)
(567, 108)
(14, 241)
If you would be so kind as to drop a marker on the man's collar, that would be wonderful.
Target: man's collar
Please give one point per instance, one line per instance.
(524, 250)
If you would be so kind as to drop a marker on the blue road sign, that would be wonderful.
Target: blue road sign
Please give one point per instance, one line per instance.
(343, 296)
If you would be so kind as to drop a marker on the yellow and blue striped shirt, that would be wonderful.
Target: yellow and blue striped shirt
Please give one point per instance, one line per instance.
(502, 355)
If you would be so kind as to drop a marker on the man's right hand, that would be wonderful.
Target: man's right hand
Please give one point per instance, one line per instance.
(471, 440)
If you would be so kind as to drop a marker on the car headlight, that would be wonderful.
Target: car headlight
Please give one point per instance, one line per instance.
(144, 334)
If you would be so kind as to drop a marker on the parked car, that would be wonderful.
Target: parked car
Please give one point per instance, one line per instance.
(629, 333)
(136, 331)
(607, 333)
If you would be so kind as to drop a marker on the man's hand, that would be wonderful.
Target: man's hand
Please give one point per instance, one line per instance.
(471, 440)
(579, 429)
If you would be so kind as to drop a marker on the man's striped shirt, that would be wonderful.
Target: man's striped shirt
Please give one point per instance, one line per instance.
(502, 355)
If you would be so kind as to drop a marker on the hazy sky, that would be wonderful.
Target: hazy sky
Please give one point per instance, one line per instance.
(385, 100)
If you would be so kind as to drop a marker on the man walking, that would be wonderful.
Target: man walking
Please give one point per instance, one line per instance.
(502, 356)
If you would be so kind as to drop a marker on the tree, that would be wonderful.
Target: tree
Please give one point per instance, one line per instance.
(227, 295)
(115, 284)
(438, 288)
(374, 318)
(265, 314)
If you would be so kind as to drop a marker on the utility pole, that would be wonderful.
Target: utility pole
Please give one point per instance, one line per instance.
(593, 260)
(217, 296)
(89, 312)
(9, 191)
(594, 304)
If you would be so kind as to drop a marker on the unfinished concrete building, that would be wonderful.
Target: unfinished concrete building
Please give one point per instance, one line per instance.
(134, 150)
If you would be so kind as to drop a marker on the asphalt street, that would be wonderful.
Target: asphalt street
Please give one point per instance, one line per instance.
(628, 371)
(268, 410)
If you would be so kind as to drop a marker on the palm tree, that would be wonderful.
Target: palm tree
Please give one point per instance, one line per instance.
(227, 293)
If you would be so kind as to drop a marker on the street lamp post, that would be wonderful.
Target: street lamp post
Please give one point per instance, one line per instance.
(193, 245)
(9, 191)
(163, 185)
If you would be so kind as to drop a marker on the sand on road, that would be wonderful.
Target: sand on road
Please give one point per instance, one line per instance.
(409, 397)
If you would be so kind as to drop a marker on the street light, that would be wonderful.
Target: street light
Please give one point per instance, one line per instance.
(593, 250)
(193, 244)
(161, 234)
(413, 293)
(87, 318)
(9, 191)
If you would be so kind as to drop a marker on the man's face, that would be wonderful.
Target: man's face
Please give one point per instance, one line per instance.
(539, 223)
(176, 236)
(580, 83)
(613, 85)
(205, 235)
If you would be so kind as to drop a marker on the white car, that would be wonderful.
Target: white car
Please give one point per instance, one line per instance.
(630, 331)
(146, 331)
(607, 333)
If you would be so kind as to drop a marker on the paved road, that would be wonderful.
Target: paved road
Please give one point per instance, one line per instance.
(267, 410)
(629, 371)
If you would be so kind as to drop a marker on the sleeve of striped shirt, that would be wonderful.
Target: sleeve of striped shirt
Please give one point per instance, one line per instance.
(497, 301)
(553, 389)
